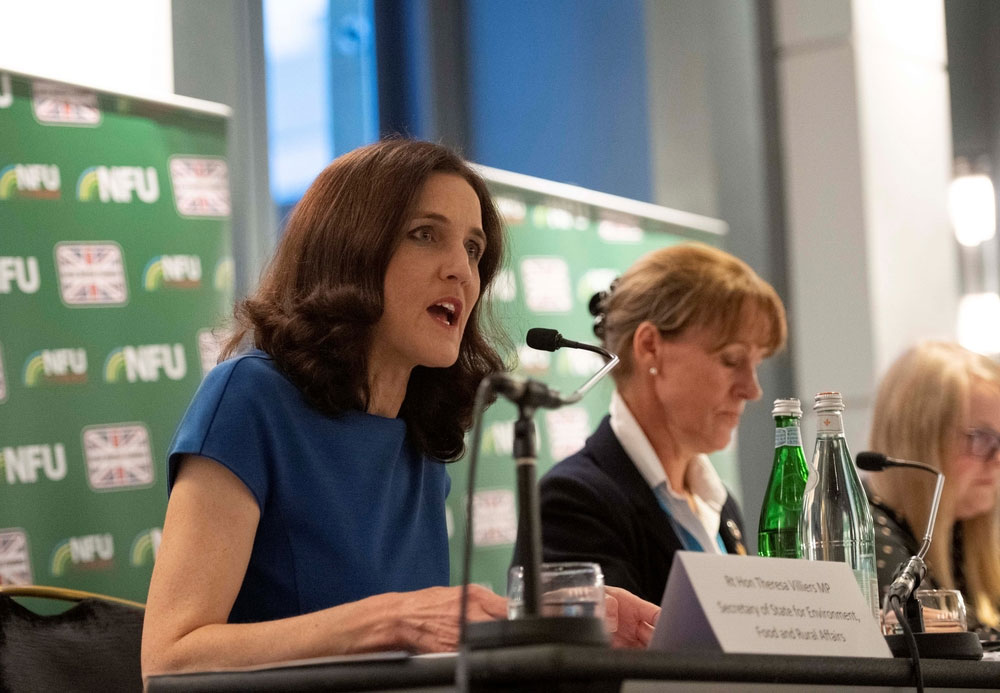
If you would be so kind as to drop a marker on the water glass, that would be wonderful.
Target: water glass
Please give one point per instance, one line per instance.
(944, 611)
(568, 589)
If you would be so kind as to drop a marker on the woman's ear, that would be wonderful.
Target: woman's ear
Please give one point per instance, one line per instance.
(646, 346)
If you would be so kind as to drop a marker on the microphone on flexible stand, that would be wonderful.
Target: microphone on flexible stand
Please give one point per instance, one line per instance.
(529, 395)
(526, 392)
(909, 575)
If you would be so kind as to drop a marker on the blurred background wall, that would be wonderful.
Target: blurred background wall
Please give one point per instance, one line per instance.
(826, 133)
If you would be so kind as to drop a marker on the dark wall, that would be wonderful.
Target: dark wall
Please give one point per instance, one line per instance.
(554, 89)
(973, 29)
(557, 89)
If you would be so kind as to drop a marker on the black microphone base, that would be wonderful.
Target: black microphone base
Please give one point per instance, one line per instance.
(564, 630)
(938, 645)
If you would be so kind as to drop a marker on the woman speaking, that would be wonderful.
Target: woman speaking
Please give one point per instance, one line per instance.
(691, 324)
(306, 513)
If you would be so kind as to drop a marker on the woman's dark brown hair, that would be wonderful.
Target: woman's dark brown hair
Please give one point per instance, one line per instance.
(322, 294)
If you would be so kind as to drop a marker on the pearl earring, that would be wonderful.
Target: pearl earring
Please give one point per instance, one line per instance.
(653, 371)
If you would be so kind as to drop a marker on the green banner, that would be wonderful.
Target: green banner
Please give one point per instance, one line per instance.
(115, 267)
(566, 243)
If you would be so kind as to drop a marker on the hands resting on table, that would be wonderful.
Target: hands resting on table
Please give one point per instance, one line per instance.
(430, 623)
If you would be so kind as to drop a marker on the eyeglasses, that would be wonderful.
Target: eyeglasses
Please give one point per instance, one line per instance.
(983, 443)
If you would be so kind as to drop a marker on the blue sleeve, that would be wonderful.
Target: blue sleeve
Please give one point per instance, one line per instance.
(226, 422)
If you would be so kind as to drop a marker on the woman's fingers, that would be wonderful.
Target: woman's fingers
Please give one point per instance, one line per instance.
(430, 620)
(630, 620)
(486, 604)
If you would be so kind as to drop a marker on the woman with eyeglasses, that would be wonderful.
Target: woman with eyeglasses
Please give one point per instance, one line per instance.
(940, 404)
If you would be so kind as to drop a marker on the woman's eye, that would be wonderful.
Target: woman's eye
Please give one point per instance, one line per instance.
(422, 233)
(731, 360)
(474, 249)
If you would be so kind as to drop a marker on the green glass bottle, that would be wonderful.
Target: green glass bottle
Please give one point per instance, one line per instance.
(777, 534)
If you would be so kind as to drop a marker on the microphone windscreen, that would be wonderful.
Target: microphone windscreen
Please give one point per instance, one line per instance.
(543, 339)
(872, 461)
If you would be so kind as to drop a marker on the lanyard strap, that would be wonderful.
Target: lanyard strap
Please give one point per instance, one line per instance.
(688, 540)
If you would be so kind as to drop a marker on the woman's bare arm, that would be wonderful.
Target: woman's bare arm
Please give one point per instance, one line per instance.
(207, 538)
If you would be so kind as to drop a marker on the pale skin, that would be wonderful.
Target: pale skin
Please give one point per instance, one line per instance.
(695, 398)
(212, 516)
(976, 480)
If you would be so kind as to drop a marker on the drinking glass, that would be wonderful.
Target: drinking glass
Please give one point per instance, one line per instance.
(944, 611)
(568, 589)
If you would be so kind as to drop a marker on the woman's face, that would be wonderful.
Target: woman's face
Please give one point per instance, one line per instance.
(702, 389)
(432, 281)
(975, 469)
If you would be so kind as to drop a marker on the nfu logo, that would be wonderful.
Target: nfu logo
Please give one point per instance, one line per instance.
(145, 362)
(144, 547)
(29, 180)
(23, 463)
(172, 271)
(118, 183)
(22, 271)
(56, 367)
(89, 552)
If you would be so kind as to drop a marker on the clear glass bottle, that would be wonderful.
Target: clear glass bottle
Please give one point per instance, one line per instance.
(777, 532)
(836, 522)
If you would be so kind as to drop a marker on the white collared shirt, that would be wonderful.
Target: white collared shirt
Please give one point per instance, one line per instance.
(706, 488)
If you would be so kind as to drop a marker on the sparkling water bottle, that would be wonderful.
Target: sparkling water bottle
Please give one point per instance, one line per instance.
(836, 523)
(778, 530)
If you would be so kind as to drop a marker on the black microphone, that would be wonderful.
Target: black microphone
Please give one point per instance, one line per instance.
(545, 339)
(876, 462)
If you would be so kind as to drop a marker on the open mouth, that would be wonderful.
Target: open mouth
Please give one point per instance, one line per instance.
(444, 311)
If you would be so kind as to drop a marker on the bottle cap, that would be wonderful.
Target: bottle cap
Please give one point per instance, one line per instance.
(829, 401)
(787, 407)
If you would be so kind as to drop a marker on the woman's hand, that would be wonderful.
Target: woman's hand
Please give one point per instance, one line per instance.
(427, 620)
(629, 619)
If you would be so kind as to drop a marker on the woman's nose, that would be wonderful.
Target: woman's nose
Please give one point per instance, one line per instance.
(749, 385)
(456, 264)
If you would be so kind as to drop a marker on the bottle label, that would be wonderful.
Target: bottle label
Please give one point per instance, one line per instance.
(787, 437)
(829, 422)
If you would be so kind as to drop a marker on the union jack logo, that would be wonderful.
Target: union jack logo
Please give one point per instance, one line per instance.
(201, 186)
(546, 284)
(494, 518)
(210, 343)
(91, 274)
(118, 456)
(58, 104)
(15, 560)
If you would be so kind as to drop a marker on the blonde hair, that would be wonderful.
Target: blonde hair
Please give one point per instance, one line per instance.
(690, 285)
(921, 406)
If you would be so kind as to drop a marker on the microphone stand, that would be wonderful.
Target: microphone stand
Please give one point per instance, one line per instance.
(964, 645)
(530, 395)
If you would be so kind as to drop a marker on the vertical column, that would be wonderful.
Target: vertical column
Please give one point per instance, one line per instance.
(863, 89)
(228, 36)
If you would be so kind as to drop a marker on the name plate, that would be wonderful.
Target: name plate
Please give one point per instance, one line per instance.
(760, 605)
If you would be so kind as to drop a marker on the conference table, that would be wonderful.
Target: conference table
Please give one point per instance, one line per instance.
(556, 668)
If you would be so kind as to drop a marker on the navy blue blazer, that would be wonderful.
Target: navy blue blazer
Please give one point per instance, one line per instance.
(596, 506)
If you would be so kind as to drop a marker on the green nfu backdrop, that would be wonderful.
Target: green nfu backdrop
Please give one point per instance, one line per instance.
(115, 272)
(114, 267)
(567, 243)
